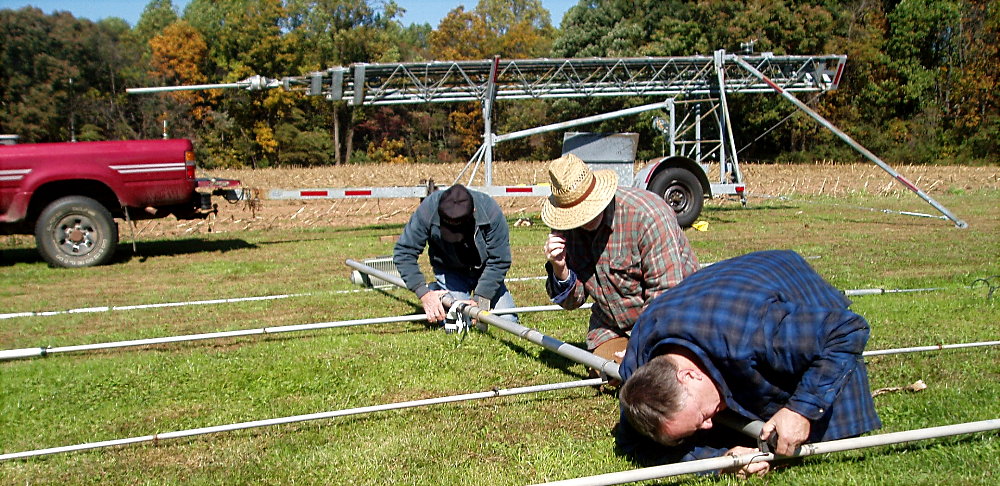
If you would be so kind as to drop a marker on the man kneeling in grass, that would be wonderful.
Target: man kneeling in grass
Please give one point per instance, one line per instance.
(761, 335)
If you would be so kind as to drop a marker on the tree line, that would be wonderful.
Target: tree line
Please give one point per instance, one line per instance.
(921, 84)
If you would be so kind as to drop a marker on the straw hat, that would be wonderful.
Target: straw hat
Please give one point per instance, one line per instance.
(578, 194)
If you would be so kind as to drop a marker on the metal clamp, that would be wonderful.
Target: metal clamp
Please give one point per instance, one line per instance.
(455, 321)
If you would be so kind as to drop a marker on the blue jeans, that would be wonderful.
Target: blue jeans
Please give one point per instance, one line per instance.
(460, 287)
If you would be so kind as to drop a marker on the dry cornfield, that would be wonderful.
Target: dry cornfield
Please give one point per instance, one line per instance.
(762, 180)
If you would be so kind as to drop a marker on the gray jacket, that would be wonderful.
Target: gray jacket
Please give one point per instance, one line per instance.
(492, 237)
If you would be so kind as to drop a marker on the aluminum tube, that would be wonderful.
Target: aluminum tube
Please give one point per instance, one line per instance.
(193, 87)
(715, 463)
(580, 121)
(149, 306)
(233, 300)
(607, 367)
(610, 368)
(22, 353)
(856, 292)
(850, 141)
(929, 348)
(42, 351)
(751, 428)
(306, 417)
(229, 300)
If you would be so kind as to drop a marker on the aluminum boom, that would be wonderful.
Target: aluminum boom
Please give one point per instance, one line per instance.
(302, 418)
(20, 353)
(724, 462)
(41, 351)
(777, 87)
(606, 367)
(461, 81)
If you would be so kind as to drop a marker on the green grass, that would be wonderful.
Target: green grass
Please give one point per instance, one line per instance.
(72, 398)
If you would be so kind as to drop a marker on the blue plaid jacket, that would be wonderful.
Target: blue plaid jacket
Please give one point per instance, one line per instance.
(772, 334)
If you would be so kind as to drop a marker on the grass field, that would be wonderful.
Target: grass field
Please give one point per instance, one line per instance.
(73, 398)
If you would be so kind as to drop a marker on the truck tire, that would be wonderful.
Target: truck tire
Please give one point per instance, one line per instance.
(76, 231)
(682, 191)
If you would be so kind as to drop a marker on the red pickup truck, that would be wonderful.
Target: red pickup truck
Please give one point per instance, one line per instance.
(69, 194)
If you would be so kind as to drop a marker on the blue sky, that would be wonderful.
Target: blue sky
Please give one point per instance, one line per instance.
(417, 11)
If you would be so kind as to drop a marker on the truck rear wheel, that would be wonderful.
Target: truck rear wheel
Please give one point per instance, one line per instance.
(682, 191)
(76, 231)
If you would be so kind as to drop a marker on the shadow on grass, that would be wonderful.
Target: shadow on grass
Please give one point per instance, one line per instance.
(547, 357)
(148, 249)
(9, 257)
(143, 250)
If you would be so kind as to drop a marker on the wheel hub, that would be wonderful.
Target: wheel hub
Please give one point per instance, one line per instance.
(75, 235)
(676, 198)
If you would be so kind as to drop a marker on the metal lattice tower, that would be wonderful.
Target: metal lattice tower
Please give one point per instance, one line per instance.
(682, 80)
(457, 81)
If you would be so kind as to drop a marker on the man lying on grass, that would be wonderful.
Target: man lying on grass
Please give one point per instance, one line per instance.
(762, 336)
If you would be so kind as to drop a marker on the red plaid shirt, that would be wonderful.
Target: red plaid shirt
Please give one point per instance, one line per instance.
(637, 253)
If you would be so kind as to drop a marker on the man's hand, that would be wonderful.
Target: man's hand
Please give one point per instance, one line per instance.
(555, 252)
(433, 308)
(792, 429)
(752, 469)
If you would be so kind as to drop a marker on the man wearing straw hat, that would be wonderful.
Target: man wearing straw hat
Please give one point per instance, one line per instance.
(619, 246)
(468, 245)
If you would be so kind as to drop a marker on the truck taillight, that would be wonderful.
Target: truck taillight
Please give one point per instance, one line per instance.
(189, 164)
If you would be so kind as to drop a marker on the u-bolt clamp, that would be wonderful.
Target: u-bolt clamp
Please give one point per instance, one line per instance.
(455, 320)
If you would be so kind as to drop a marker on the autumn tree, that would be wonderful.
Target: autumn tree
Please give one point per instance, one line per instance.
(178, 54)
(155, 17)
(61, 77)
(977, 99)
(327, 33)
(510, 29)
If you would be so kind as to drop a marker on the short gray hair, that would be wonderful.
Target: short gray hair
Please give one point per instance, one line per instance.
(651, 396)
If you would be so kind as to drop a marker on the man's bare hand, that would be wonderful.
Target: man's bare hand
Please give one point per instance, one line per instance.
(555, 252)
(792, 429)
(752, 469)
(433, 308)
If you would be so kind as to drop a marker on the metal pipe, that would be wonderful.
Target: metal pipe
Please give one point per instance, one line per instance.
(303, 418)
(887, 291)
(605, 366)
(929, 348)
(193, 87)
(724, 462)
(22, 353)
(850, 141)
(11, 354)
(579, 121)
(148, 306)
(253, 83)
(231, 300)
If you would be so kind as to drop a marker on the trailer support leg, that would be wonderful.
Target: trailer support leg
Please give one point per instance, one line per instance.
(843, 136)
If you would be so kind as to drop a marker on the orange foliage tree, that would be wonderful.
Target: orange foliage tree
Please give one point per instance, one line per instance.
(177, 56)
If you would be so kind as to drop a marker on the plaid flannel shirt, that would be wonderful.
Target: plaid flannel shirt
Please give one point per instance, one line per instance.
(772, 334)
(636, 254)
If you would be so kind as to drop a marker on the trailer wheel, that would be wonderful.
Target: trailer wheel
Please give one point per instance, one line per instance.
(682, 191)
(76, 231)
